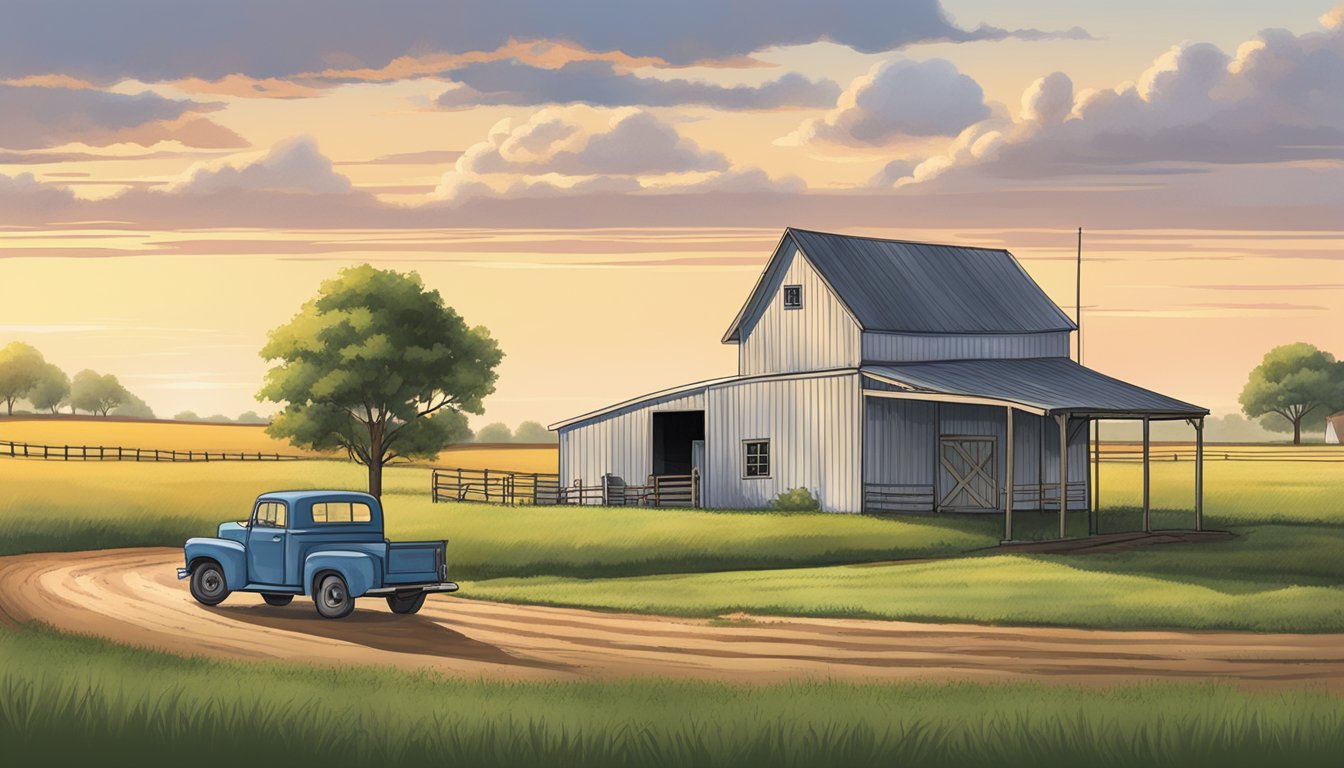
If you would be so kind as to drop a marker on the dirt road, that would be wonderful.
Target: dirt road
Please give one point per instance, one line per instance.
(132, 596)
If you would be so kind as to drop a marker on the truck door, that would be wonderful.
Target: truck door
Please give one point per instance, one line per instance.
(266, 543)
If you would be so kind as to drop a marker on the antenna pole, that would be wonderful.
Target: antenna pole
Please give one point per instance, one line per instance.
(1078, 296)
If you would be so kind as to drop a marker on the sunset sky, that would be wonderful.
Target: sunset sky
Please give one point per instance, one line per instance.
(600, 183)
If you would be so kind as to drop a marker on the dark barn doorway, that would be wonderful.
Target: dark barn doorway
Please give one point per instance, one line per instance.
(673, 434)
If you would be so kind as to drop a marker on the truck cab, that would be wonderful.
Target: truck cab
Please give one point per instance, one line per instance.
(326, 544)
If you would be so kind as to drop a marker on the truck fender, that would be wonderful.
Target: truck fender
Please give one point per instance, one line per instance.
(228, 553)
(360, 570)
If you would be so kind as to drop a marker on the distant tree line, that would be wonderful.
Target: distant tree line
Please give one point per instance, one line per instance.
(26, 375)
(246, 417)
(527, 432)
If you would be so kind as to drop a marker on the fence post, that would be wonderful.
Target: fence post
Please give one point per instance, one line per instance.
(695, 488)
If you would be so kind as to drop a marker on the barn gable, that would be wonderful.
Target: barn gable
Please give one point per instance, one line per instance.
(808, 330)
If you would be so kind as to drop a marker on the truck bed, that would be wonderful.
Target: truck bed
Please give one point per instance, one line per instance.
(416, 562)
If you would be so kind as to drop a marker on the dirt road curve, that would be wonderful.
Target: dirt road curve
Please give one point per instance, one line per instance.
(132, 596)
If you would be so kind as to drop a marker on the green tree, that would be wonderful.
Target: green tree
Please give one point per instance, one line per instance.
(21, 367)
(132, 407)
(533, 432)
(377, 365)
(51, 389)
(1293, 381)
(498, 432)
(96, 393)
(186, 416)
(251, 417)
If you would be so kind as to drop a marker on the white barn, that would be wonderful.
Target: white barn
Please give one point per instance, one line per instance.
(883, 376)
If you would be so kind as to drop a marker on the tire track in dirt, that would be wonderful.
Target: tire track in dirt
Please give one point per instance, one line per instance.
(133, 596)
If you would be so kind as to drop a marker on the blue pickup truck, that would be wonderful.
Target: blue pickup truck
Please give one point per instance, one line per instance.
(328, 544)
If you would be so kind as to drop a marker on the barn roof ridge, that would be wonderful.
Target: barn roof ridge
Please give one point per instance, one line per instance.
(907, 286)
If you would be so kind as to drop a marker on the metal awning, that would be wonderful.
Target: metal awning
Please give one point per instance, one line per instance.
(1046, 386)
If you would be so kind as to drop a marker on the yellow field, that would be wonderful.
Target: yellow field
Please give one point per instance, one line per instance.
(184, 436)
(165, 436)
(516, 458)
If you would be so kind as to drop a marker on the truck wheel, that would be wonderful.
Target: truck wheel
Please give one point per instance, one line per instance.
(332, 597)
(406, 603)
(208, 585)
(277, 600)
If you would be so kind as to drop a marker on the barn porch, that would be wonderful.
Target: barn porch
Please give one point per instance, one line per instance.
(998, 436)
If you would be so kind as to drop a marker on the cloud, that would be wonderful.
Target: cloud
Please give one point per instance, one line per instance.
(23, 197)
(39, 116)
(1278, 99)
(294, 166)
(898, 98)
(579, 150)
(554, 141)
(169, 40)
(599, 83)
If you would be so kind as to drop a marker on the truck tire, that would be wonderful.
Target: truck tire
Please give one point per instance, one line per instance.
(208, 585)
(277, 600)
(406, 603)
(332, 597)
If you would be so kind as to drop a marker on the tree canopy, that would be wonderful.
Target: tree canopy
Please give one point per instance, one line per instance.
(1293, 382)
(51, 389)
(21, 368)
(496, 432)
(533, 432)
(90, 391)
(378, 366)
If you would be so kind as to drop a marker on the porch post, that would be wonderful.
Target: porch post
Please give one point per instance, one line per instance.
(1147, 520)
(1008, 482)
(1063, 420)
(1091, 486)
(1199, 474)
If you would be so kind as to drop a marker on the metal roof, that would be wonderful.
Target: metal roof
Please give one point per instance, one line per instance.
(907, 287)
(1050, 384)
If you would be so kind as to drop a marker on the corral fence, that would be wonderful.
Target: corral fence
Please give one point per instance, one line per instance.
(15, 450)
(497, 486)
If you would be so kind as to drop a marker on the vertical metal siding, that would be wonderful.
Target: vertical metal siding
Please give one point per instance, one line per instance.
(901, 443)
(819, 336)
(902, 347)
(899, 438)
(620, 443)
(813, 424)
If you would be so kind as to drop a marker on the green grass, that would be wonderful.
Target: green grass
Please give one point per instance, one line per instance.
(76, 701)
(1268, 580)
(1282, 572)
(73, 506)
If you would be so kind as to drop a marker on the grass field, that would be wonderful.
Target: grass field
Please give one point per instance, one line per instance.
(249, 438)
(74, 701)
(1283, 571)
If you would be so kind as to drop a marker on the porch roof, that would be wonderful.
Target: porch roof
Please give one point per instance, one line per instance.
(1048, 386)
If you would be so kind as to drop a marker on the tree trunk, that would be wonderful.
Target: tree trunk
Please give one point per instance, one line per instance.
(9, 405)
(376, 480)
(1297, 431)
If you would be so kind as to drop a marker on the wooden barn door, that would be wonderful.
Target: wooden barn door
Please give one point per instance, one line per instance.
(967, 470)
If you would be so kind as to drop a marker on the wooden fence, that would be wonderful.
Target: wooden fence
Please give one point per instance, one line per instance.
(497, 486)
(1319, 453)
(15, 450)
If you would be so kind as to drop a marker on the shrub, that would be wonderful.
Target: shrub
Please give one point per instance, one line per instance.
(796, 500)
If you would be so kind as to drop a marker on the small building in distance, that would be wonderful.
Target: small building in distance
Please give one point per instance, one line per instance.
(883, 376)
(1334, 428)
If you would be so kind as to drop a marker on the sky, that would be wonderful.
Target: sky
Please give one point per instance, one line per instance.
(601, 184)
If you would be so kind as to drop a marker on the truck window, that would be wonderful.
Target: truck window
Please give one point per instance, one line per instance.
(341, 512)
(270, 514)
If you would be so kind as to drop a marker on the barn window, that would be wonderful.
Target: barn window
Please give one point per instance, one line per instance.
(793, 297)
(756, 458)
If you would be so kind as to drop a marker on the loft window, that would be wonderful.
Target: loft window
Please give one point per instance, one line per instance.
(756, 458)
(793, 297)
